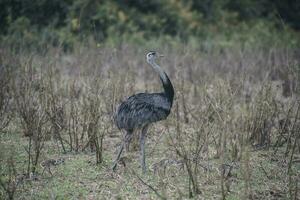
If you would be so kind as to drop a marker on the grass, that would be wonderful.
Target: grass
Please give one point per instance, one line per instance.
(232, 107)
(80, 177)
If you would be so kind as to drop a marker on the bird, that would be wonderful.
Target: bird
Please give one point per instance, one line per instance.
(142, 109)
(47, 164)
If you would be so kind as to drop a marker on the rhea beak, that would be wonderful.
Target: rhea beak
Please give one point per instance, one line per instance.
(161, 55)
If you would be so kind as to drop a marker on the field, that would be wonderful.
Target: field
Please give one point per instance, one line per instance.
(233, 132)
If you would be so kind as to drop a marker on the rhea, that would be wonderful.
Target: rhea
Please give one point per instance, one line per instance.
(142, 109)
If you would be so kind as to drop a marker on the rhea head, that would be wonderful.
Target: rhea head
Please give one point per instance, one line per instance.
(151, 56)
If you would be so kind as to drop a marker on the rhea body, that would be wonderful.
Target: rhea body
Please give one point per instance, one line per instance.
(140, 110)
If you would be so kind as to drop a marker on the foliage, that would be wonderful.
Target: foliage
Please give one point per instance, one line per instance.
(64, 22)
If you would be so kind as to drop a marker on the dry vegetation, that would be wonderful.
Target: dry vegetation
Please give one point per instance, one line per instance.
(233, 132)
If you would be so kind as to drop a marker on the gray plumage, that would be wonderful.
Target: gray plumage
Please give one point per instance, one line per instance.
(142, 109)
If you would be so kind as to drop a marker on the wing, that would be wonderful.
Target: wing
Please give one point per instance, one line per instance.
(142, 109)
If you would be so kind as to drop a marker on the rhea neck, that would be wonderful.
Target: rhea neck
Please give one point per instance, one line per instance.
(167, 85)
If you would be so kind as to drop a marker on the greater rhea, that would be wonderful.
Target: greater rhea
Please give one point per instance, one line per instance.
(142, 109)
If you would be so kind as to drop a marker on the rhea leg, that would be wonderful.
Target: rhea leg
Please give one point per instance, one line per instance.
(142, 145)
(126, 140)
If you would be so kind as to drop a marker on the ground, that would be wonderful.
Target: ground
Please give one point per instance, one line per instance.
(81, 178)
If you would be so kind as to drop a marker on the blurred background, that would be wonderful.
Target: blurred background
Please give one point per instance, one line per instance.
(64, 22)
